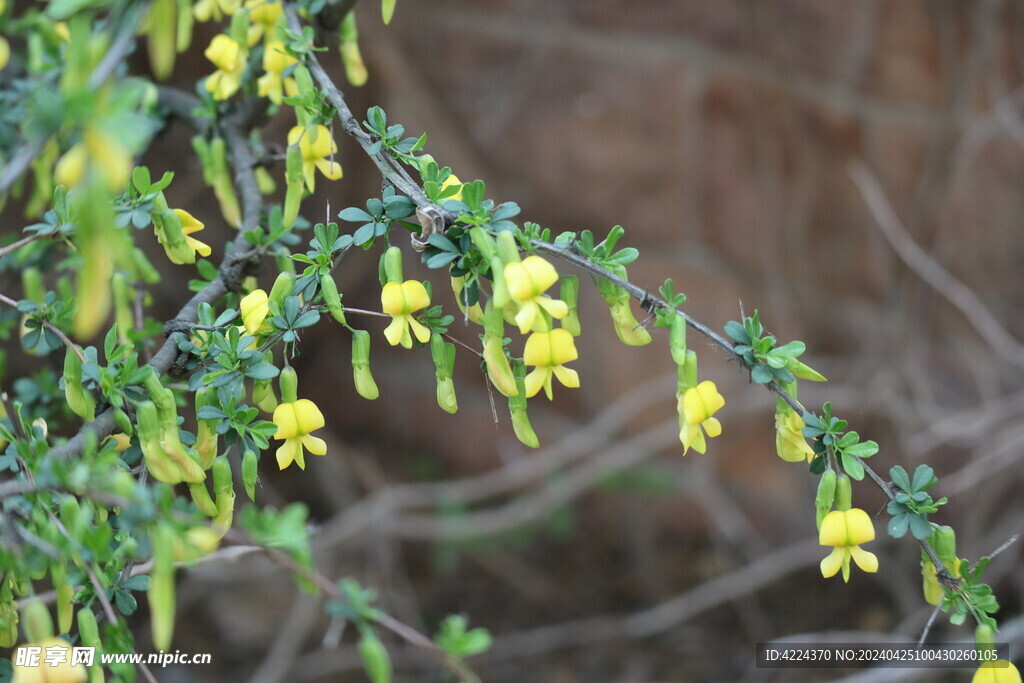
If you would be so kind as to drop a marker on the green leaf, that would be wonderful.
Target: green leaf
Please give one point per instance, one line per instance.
(923, 478)
(898, 526)
(864, 449)
(899, 477)
(761, 375)
(920, 527)
(262, 371)
(790, 350)
(853, 467)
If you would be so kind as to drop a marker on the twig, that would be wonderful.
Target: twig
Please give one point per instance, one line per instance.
(14, 246)
(929, 270)
(48, 325)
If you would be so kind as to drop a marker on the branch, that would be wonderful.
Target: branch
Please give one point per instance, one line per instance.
(229, 276)
(392, 171)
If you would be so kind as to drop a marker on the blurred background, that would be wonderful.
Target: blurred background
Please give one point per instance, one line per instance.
(852, 170)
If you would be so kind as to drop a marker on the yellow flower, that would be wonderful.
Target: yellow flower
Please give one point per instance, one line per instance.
(400, 301)
(316, 154)
(205, 10)
(254, 309)
(789, 439)
(847, 530)
(275, 61)
(526, 281)
(189, 225)
(5, 52)
(549, 351)
(999, 671)
(44, 673)
(229, 58)
(294, 423)
(264, 15)
(696, 406)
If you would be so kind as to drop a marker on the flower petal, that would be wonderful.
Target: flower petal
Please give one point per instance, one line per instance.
(865, 560)
(316, 445)
(330, 169)
(396, 330)
(535, 380)
(307, 416)
(392, 299)
(286, 421)
(833, 529)
(286, 453)
(567, 376)
(859, 528)
(416, 296)
(831, 564)
(421, 331)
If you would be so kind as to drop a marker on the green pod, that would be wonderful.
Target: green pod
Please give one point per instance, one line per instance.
(168, 225)
(688, 372)
(944, 542)
(295, 185)
(32, 284)
(79, 399)
(393, 264)
(264, 181)
(304, 81)
(201, 497)
(483, 241)
(65, 607)
(144, 270)
(984, 636)
(508, 247)
(500, 295)
(348, 47)
(183, 37)
(844, 492)
(263, 395)
(122, 306)
(677, 338)
(387, 11)
(157, 462)
(570, 294)
(162, 43)
(123, 422)
(8, 619)
(498, 369)
(443, 355)
(88, 631)
(206, 434)
(36, 621)
(332, 299)
(223, 486)
(284, 285)
(802, 371)
(288, 383)
(517, 408)
(283, 261)
(223, 188)
(375, 656)
(202, 149)
(826, 494)
(627, 327)
(361, 374)
(250, 473)
(162, 603)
